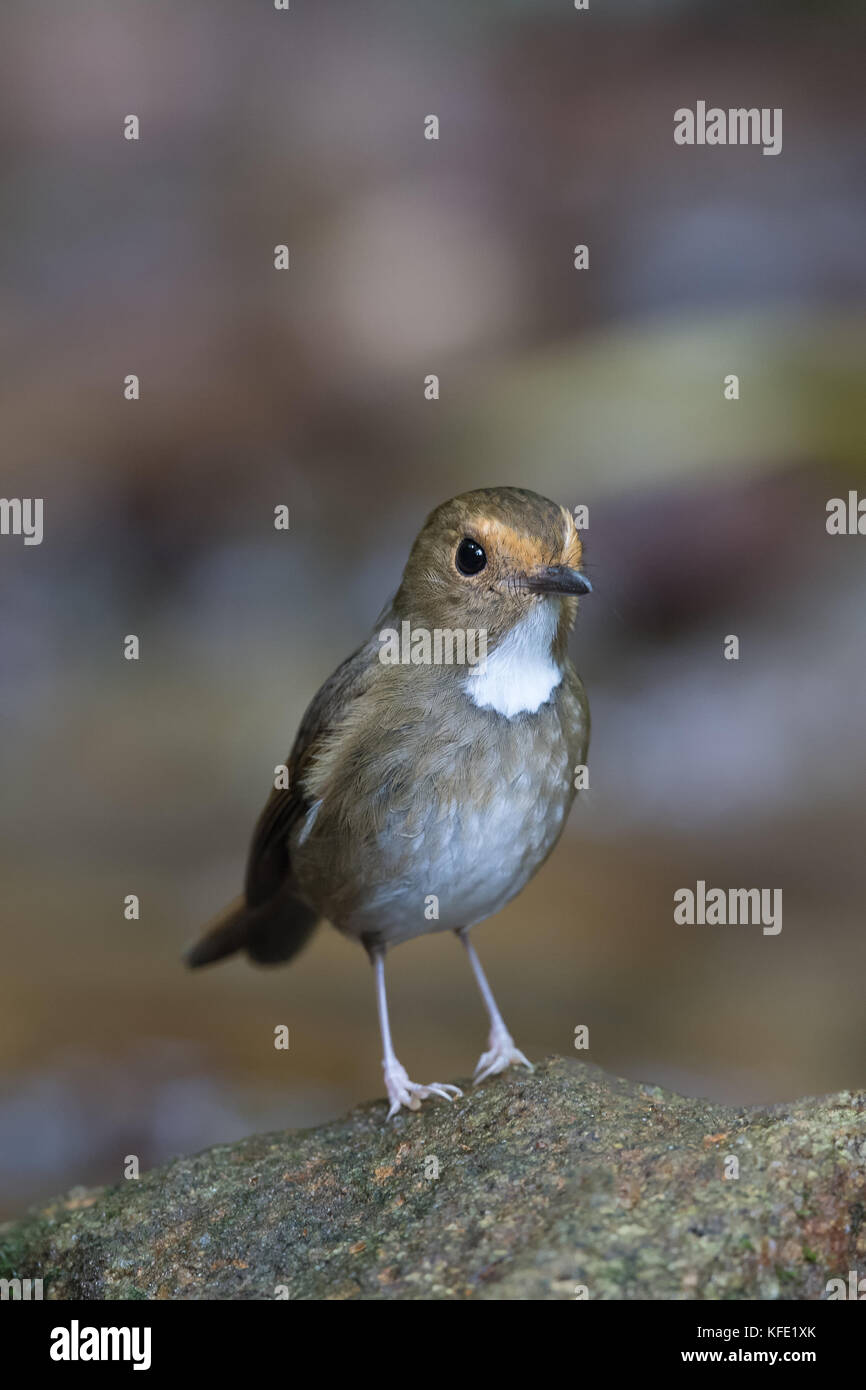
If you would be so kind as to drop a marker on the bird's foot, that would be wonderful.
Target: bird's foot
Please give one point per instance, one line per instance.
(402, 1091)
(502, 1053)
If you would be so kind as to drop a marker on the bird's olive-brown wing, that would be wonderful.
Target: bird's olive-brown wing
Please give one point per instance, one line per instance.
(268, 864)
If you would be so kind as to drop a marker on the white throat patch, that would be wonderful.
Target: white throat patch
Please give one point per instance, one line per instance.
(521, 674)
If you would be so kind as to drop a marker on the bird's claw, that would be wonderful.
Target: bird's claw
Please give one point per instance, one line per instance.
(402, 1091)
(502, 1053)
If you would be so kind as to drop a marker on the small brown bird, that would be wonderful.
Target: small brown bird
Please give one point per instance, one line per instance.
(433, 772)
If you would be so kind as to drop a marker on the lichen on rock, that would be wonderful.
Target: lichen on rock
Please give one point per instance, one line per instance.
(564, 1184)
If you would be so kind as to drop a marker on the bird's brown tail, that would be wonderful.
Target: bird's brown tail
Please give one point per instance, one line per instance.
(271, 933)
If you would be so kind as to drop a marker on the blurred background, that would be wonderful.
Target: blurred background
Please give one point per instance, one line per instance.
(602, 387)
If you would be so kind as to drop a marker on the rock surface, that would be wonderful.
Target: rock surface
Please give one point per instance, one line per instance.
(562, 1184)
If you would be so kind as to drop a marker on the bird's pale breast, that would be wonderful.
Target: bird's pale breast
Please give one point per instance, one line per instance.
(445, 822)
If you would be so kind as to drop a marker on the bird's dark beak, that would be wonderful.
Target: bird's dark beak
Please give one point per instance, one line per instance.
(557, 579)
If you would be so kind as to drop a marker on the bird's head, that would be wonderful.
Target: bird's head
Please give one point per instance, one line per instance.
(493, 559)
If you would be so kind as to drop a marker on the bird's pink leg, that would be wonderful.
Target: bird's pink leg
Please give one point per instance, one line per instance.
(501, 1051)
(401, 1091)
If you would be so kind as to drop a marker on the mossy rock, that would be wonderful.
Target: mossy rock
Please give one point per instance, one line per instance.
(566, 1183)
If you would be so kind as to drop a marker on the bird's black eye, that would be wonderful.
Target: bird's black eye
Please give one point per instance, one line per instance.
(470, 557)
